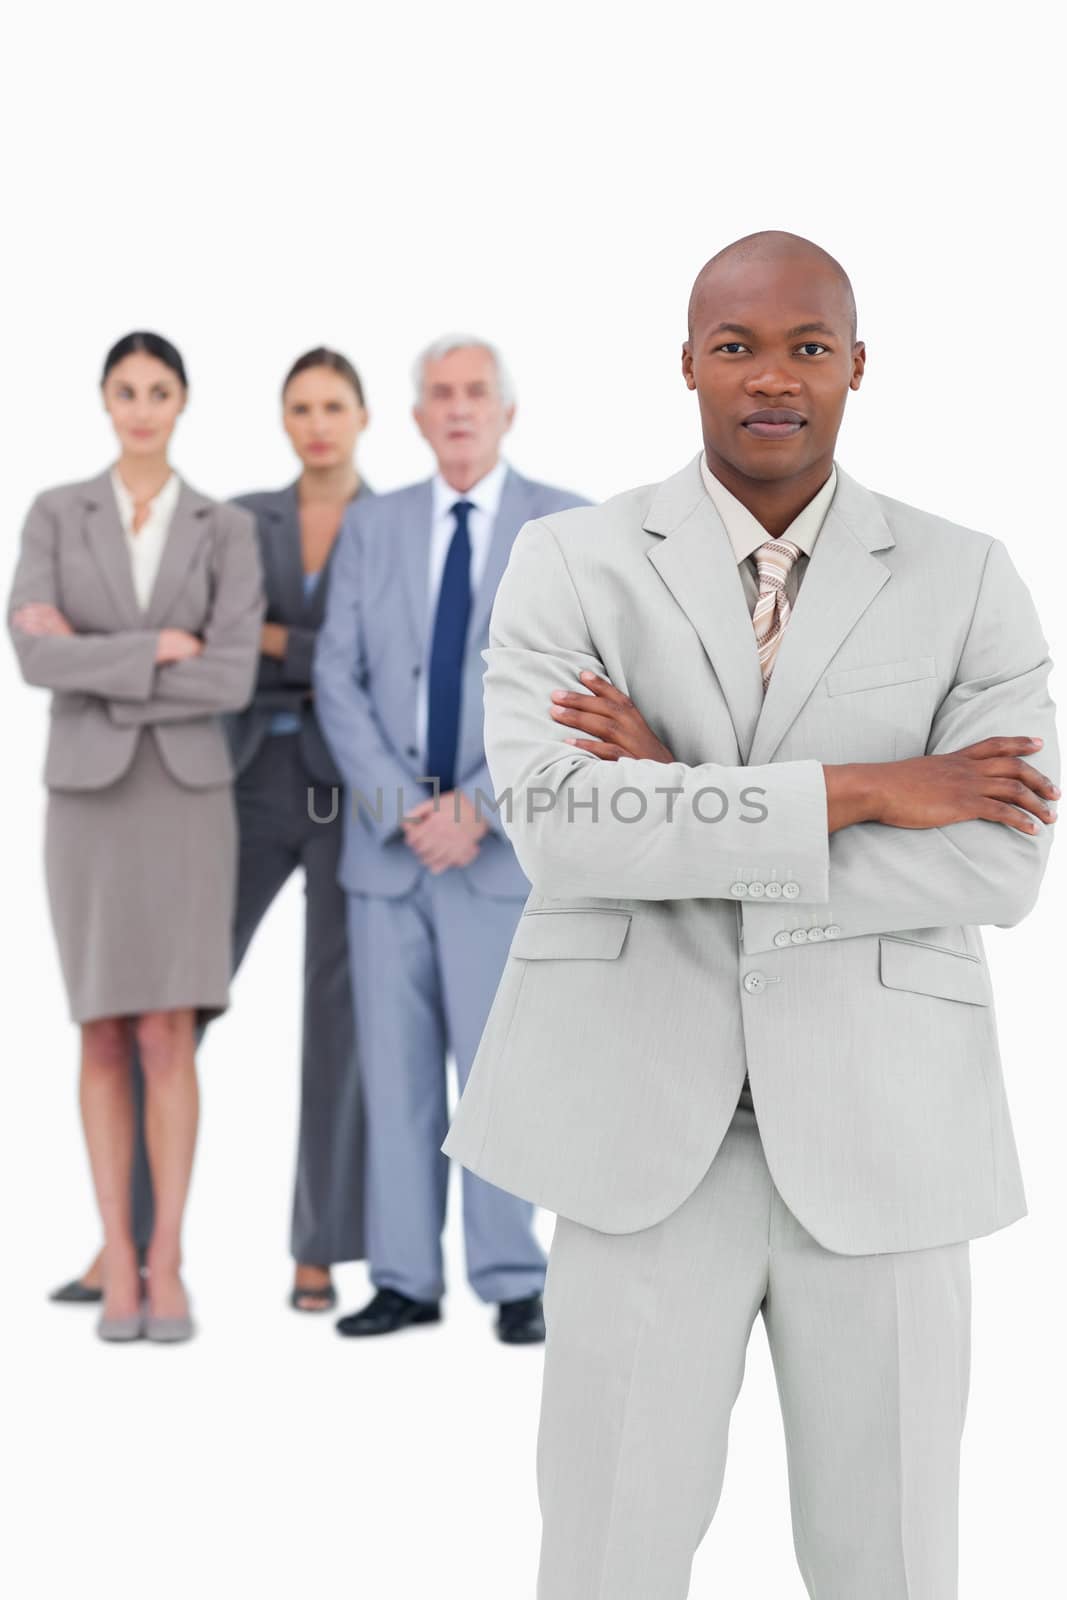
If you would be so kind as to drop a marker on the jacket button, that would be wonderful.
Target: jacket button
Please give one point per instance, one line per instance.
(415, 671)
(412, 751)
(782, 937)
(738, 889)
(831, 930)
(790, 889)
(799, 936)
(773, 890)
(814, 933)
(754, 982)
(756, 887)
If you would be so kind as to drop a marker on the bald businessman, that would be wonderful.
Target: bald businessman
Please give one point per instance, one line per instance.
(766, 745)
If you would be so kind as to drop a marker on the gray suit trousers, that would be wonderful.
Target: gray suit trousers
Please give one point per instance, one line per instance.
(276, 837)
(644, 1358)
(425, 967)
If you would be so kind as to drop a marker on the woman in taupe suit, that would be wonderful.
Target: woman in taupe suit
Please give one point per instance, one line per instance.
(289, 819)
(138, 602)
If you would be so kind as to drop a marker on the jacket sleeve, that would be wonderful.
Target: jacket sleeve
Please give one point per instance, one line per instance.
(381, 786)
(630, 828)
(479, 791)
(886, 879)
(222, 676)
(299, 654)
(119, 666)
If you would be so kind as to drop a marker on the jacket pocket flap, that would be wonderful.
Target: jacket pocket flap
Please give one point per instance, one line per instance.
(848, 679)
(591, 935)
(904, 964)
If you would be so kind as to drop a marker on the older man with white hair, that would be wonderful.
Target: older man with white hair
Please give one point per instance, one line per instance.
(434, 889)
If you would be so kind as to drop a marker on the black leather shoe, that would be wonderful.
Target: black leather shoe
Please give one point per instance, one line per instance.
(388, 1312)
(521, 1321)
(76, 1293)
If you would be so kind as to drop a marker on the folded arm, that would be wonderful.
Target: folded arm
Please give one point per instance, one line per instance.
(119, 666)
(222, 676)
(631, 828)
(884, 879)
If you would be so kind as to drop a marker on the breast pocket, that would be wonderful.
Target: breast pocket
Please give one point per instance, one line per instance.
(883, 675)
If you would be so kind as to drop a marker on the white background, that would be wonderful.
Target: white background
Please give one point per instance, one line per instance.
(252, 179)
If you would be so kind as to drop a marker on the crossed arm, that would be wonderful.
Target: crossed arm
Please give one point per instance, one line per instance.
(958, 835)
(145, 675)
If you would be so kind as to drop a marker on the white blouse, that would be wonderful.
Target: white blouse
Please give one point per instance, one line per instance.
(146, 545)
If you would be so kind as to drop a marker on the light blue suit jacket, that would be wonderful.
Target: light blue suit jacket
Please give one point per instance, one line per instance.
(368, 658)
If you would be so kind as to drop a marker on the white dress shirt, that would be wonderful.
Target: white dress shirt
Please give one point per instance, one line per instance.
(485, 498)
(146, 545)
(746, 534)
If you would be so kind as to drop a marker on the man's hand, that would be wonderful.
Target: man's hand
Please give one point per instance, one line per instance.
(618, 727)
(445, 832)
(274, 640)
(39, 618)
(175, 644)
(989, 780)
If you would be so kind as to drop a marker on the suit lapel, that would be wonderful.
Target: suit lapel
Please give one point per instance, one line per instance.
(188, 527)
(842, 579)
(315, 603)
(106, 540)
(696, 561)
(416, 521)
(289, 560)
(512, 512)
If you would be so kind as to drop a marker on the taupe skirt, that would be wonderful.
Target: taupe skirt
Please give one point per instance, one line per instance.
(141, 882)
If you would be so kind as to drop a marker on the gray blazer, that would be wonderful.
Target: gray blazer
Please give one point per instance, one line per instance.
(286, 684)
(367, 663)
(656, 958)
(105, 684)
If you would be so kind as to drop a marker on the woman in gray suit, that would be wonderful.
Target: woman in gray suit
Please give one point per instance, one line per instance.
(289, 807)
(138, 602)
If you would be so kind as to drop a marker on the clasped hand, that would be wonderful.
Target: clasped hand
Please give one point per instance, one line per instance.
(445, 831)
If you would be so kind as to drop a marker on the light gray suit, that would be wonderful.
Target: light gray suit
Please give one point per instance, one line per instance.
(427, 951)
(651, 966)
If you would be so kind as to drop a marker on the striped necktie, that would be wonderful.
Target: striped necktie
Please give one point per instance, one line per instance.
(774, 561)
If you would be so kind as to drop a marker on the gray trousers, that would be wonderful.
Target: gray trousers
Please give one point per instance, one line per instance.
(276, 836)
(425, 968)
(644, 1359)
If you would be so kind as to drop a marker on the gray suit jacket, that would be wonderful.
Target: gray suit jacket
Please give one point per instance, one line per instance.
(366, 669)
(286, 685)
(105, 684)
(645, 973)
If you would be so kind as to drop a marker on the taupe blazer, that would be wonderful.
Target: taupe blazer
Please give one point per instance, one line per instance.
(105, 684)
(656, 958)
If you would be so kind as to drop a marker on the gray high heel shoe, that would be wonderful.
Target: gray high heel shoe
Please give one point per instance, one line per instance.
(120, 1330)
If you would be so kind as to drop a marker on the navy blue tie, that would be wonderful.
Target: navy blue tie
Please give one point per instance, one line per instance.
(447, 653)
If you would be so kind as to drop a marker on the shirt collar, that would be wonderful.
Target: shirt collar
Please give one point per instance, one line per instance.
(746, 534)
(160, 504)
(485, 494)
